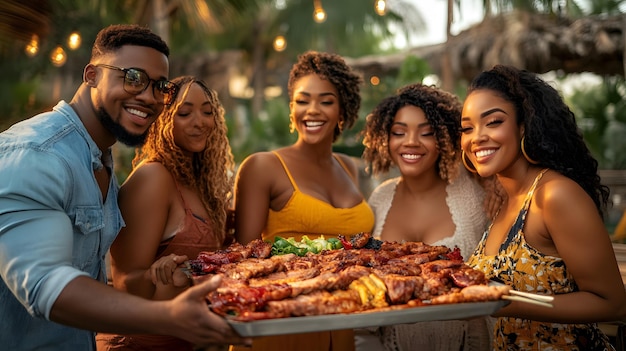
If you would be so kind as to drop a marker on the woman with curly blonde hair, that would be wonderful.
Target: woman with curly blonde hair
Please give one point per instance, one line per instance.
(174, 204)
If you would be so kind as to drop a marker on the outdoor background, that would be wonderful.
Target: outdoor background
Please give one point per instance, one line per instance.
(578, 45)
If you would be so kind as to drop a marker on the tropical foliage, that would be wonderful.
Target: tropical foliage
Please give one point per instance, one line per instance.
(601, 112)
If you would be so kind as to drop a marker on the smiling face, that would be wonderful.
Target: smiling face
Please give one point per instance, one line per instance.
(194, 119)
(315, 109)
(412, 142)
(125, 115)
(490, 135)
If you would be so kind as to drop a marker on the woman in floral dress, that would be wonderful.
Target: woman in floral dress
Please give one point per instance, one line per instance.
(549, 236)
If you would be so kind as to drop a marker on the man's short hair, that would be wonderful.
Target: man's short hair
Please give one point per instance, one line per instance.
(113, 37)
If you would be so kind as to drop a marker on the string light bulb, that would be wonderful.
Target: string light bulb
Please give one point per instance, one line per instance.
(58, 56)
(74, 40)
(319, 15)
(381, 7)
(280, 43)
(32, 48)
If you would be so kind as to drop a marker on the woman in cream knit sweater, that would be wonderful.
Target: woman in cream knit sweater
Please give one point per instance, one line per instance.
(434, 200)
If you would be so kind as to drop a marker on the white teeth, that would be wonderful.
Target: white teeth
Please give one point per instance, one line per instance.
(137, 112)
(313, 123)
(411, 156)
(484, 153)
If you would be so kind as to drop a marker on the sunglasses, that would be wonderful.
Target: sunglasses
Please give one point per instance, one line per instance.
(136, 81)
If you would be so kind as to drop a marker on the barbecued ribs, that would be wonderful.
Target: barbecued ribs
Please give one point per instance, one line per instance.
(259, 286)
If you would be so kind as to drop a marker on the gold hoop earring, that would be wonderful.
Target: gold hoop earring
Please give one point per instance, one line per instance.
(466, 163)
(530, 160)
(292, 126)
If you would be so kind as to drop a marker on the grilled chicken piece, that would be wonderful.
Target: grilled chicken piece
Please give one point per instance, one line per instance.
(317, 303)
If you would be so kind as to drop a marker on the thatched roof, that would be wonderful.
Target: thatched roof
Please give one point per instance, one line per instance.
(539, 43)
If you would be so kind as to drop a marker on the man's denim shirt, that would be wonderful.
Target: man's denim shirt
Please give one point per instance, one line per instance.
(54, 226)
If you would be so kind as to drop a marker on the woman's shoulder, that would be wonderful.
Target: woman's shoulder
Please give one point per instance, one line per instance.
(557, 188)
(149, 170)
(259, 155)
(153, 175)
(259, 160)
(150, 184)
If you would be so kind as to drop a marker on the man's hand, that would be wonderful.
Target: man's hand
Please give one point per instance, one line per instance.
(195, 321)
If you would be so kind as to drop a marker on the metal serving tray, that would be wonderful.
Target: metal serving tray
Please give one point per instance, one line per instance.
(294, 325)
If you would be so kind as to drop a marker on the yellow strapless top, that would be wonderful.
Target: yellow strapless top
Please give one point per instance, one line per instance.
(306, 215)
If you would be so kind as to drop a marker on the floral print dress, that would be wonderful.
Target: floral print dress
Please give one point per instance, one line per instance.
(524, 268)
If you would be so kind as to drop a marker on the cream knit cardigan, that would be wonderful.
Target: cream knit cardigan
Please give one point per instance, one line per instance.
(465, 203)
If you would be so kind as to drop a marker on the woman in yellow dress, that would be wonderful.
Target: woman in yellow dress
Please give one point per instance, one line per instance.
(306, 188)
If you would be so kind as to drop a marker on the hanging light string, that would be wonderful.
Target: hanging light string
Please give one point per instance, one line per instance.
(319, 15)
(32, 48)
(58, 56)
(381, 7)
(280, 43)
(74, 40)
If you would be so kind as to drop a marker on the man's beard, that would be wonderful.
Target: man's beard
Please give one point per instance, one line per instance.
(119, 132)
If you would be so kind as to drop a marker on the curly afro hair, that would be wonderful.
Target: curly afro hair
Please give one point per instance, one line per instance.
(552, 137)
(443, 112)
(333, 68)
(210, 171)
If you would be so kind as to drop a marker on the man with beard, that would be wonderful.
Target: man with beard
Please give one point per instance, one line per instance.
(59, 212)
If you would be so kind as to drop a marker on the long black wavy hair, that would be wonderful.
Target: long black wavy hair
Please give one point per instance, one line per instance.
(552, 137)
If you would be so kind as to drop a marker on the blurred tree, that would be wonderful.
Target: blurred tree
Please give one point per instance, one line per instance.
(197, 18)
(601, 113)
